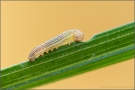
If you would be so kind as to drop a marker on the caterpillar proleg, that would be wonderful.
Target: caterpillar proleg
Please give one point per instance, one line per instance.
(69, 36)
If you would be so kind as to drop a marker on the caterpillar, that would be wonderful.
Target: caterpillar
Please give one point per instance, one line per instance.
(68, 36)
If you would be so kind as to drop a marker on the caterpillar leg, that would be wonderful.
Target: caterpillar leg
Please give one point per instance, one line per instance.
(52, 48)
(47, 51)
(69, 40)
(56, 47)
(42, 53)
(32, 59)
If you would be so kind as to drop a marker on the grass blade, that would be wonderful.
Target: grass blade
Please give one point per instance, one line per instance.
(103, 49)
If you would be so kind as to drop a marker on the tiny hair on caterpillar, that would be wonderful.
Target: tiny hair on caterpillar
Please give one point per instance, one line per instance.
(68, 36)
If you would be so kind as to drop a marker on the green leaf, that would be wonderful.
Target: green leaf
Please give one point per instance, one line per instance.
(103, 49)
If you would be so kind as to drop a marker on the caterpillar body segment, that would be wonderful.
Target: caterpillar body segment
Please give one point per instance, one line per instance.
(66, 37)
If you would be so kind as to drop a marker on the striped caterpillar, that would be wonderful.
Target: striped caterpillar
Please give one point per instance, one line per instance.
(66, 37)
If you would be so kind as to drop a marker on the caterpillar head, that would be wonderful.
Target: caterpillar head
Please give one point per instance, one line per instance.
(78, 36)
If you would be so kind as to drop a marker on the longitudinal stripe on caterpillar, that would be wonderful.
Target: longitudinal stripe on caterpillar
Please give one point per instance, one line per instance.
(66, 37)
